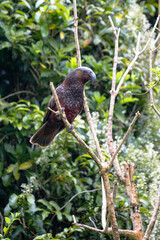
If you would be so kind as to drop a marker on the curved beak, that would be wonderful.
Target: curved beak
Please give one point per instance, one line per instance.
(92, 78)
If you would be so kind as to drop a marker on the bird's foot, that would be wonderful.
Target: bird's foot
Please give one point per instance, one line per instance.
(71, 128)
(58, 117)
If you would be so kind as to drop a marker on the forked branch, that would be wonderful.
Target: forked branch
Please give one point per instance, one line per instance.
(154, 217)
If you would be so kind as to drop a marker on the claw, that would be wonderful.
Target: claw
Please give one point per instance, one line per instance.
(70, 130)
(58, 117)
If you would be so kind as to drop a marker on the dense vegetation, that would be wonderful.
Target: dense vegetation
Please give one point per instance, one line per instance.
(36, 47)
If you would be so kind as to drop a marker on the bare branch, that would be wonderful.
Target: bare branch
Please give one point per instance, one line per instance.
(86, 108)
(76, 33)
(110, 204)
(150, 79)
(92, 222)
(2, 222)
(104, 205)
(16, 93)
(133, 200)
(124, 138)
(151, 35)
(112, 103)
(138, 41)
(153, 219)
(128, 233)
(136, 56)
(88, 227)
(86, 191)
(114, 197)
(74, 219)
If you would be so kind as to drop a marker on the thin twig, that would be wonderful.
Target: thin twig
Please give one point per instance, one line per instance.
(2, 222)
(16, 93)
(138, 41)
(136, 56)
(124, 138)
(104, 205)
(68, 126)
(154, 217)
(150, 79)
(92, 222)
(55, 112)
(76, 33)
(86, 191)
(112, 104)
(74, 219)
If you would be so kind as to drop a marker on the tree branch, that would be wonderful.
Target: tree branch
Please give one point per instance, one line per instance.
(86, 191)
(154, 217)
(112, 103)
(128, 233)
(133, 200)
(88, 115)
(136, 56)
(16, 93)
(114, 198)
(76, 33)
(124, 138)
(150, 79)
(86, 108)
(2, 222)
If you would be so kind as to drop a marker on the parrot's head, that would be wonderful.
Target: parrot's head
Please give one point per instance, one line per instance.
(81, 75)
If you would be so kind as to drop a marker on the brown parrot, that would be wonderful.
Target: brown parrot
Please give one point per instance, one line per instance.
(70, 94)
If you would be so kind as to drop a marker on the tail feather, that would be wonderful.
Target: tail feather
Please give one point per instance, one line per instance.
(45, 134)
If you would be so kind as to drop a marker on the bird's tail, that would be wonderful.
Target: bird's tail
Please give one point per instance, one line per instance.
(45, 134)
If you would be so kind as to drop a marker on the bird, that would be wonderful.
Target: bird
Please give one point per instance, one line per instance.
(70, 94)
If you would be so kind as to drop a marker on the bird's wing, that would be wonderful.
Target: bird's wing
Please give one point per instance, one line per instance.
(52, 105)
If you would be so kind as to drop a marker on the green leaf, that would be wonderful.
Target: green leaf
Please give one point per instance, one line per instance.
(25, 3)
(97, 39)
(5, 229)
(47, 236)
(37, 16)
(7, 220)
(7, 210)
(13, 200)
(31, 199)
(9, 148)
(69, 48)
(6, 180)
(59, 215)
(145, 210)
(25, 165)
(54, 204)
(44, 29)
(10, 168)
(68, 216)
(45, 215)
(45, 203)
(5, 45)
(39, 2)
(4, 16)
(128, 100)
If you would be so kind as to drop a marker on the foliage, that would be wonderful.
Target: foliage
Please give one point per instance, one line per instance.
(36, 47)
